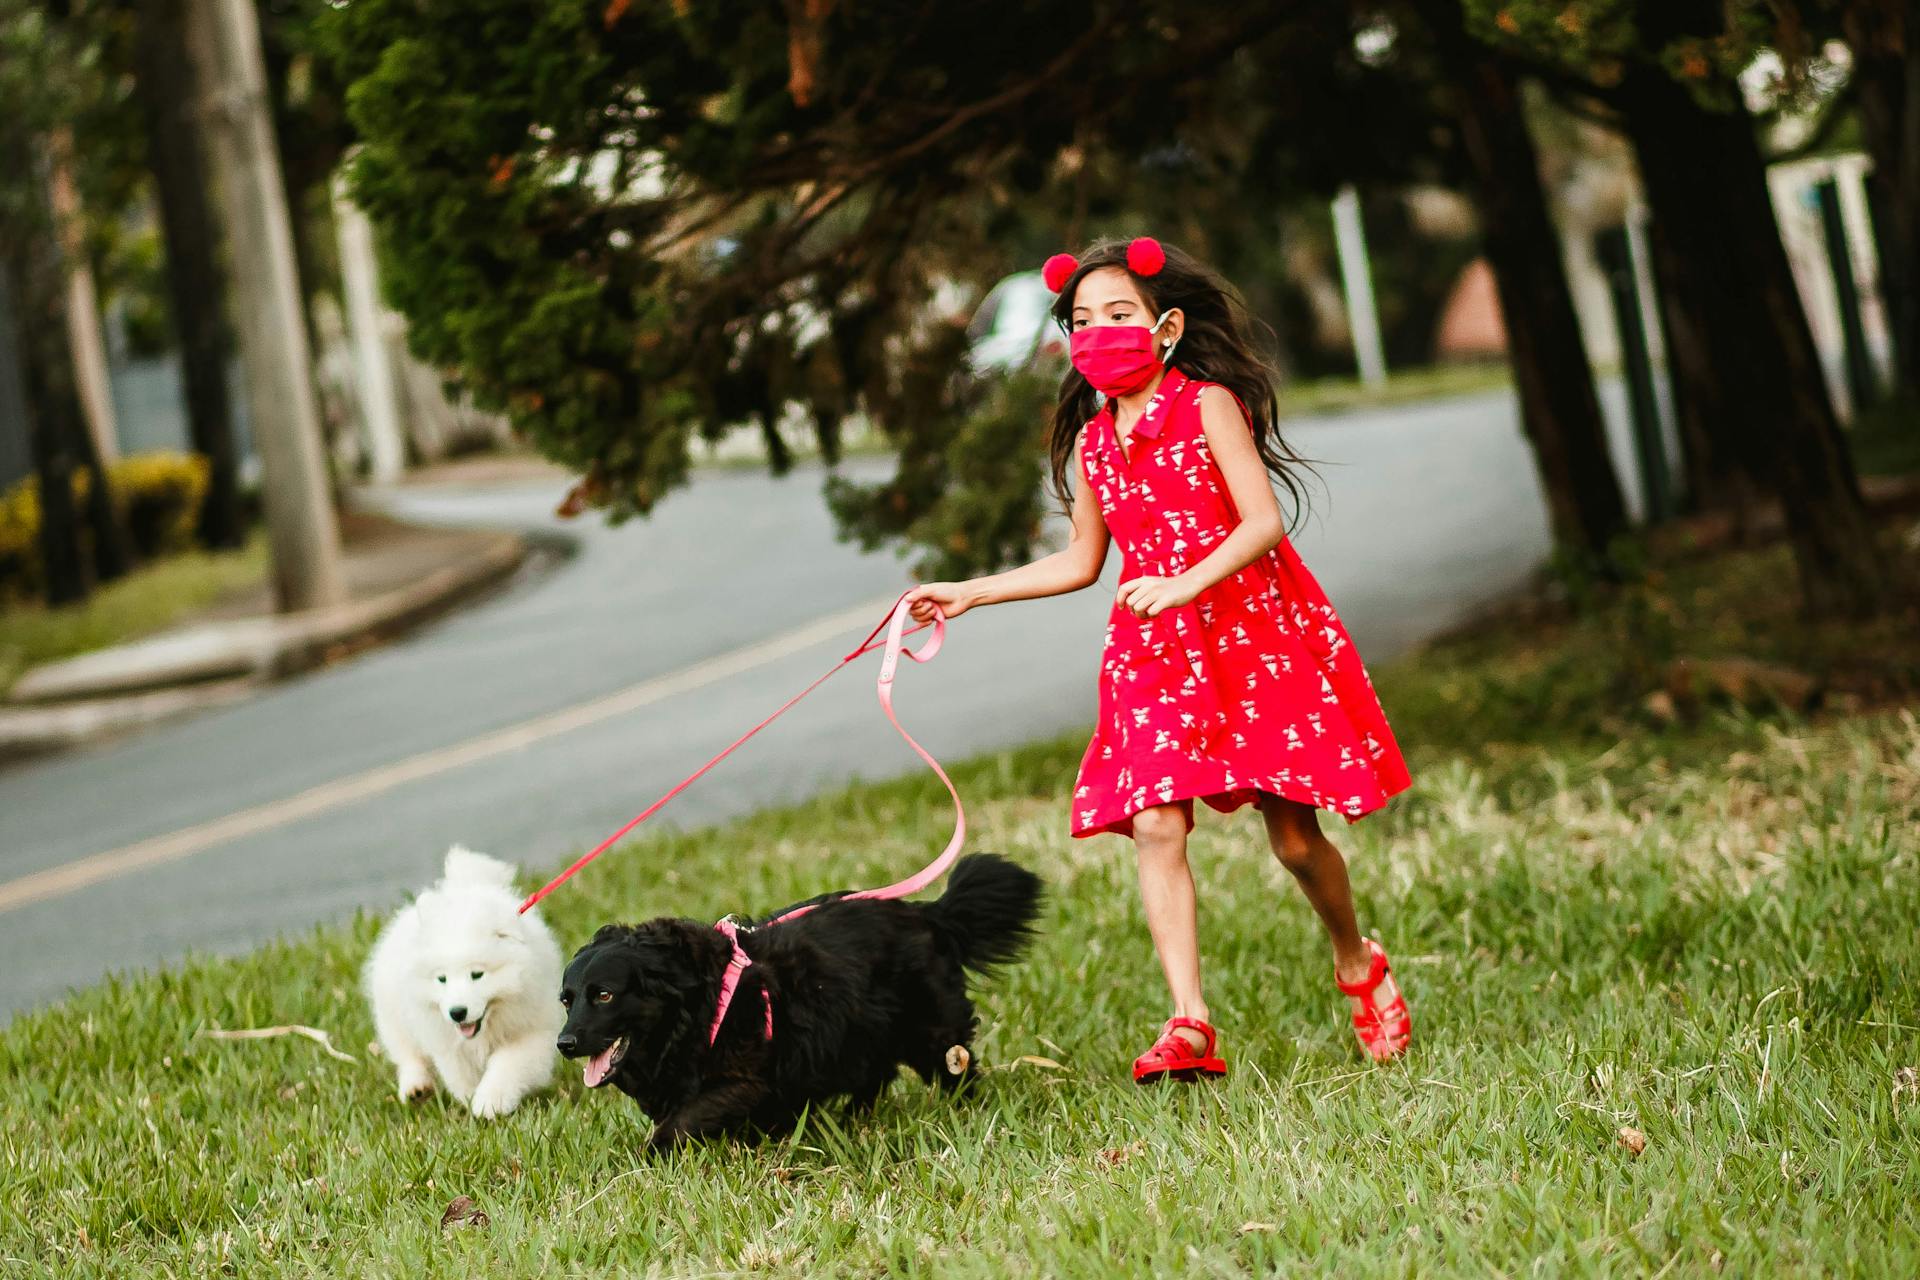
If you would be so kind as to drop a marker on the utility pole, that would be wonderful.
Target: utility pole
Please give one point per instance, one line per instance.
(224, 38)
(1356, 279)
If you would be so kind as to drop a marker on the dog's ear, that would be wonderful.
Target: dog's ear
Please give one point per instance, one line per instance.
(610, 933)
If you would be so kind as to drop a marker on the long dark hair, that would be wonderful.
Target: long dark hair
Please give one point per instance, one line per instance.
(1221, 343)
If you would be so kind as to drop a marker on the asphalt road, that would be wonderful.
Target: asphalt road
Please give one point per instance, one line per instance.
(495, 727)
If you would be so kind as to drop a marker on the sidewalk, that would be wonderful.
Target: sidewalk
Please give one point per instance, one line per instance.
(398, 576)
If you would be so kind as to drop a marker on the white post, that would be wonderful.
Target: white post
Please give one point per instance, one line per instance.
(1356, 280)
(379, 394)
(224, 36)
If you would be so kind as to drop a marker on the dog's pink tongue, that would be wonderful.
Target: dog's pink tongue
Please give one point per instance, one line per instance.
(599, 1066)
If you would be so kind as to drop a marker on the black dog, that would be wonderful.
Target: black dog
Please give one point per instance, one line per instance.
(858, 987)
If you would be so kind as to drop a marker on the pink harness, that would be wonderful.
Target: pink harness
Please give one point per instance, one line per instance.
(896, 647)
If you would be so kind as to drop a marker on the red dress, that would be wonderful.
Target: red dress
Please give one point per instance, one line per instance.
(1253, 687)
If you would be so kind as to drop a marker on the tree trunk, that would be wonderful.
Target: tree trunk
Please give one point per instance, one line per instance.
(1558, 404)
(1706, 184)
(1714, 481)
(57, 432)
(84, 337)
(195, 282)
(1884, 36)
(37, 288)
(63, 568)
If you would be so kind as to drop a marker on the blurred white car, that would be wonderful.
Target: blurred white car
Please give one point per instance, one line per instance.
(1012, 328)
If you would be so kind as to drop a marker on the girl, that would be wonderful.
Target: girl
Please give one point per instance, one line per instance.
(1226, 675)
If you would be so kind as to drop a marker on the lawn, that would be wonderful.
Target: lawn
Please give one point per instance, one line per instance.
(1403, 386)
(150, 599)
(1700, 933)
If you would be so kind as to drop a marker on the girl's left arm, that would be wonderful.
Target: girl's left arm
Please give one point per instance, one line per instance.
(1261, 526)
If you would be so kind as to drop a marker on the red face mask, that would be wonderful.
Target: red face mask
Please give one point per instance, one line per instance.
(1118, 359)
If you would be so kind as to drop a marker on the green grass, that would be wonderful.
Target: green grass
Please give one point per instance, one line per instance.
(149, 599)
(1404, 386)
(1706, 934)
(1555, 676)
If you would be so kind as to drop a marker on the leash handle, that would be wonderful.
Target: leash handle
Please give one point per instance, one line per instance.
(897, 648)
(893, 624)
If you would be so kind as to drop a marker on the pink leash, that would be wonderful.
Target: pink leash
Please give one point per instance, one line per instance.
(895, 644)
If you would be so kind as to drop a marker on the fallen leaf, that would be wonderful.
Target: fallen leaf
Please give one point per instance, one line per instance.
(1632, 1139)
(1114, 1156)
(1249, 1228)
(1036, 1061)
(463, 1212)
(1906, 1080)
(958, 1059)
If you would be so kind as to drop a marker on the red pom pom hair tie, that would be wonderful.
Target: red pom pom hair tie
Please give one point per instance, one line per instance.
(1145, 257)
(1058, 270)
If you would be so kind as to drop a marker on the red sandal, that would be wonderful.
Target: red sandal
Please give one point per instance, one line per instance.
(1384, 1032)
(1173, 1055)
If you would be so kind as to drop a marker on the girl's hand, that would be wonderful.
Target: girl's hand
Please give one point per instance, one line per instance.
(1148, 597)
(951, 597)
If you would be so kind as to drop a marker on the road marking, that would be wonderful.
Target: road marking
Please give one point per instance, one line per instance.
(70, 877)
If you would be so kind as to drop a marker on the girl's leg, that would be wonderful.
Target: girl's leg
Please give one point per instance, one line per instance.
(1166, 891)
(1294, 830)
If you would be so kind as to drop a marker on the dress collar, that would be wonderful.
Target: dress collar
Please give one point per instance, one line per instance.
(1154, 420)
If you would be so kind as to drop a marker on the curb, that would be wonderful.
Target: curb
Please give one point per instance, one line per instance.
(94, 696)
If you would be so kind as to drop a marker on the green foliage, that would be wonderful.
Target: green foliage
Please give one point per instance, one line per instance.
(628, 226)
(160, 495)
(1704, 44)
(58, 74)
(969, 502)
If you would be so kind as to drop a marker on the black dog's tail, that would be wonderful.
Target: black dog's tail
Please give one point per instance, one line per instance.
(988, 910)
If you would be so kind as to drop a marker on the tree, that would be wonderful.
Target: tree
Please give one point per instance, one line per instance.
(1654, 61)
(47, 83)
(1559, 407)
(631, 225)
(196, 283)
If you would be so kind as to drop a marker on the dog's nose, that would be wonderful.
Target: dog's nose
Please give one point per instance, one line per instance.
(458, 1014)
(568, 1045)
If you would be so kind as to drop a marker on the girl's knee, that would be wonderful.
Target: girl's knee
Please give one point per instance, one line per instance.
(1294, 830)
(1160, 831)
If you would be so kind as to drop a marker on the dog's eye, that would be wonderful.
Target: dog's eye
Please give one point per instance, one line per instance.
(566, 1002)
(474, 976)
(603, 998)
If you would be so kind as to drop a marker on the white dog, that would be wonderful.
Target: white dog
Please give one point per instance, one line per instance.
(464, 985)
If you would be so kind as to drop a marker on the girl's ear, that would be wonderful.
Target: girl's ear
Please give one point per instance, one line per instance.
(1173, 325)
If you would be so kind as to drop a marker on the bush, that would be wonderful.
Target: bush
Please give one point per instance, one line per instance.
(159, 495)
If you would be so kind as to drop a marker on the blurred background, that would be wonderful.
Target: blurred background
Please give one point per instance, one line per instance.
(314, 312)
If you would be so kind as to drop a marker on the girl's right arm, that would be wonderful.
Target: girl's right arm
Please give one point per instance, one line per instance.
(1075, 566)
